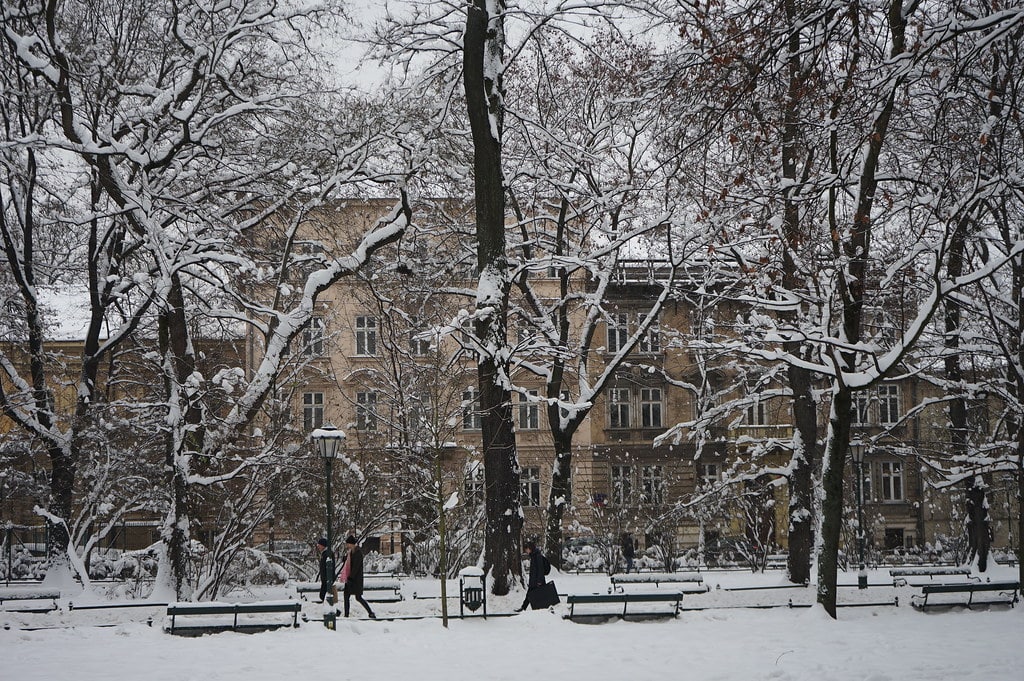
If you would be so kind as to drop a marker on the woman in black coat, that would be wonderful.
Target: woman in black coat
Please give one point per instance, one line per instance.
(352, 575)
(538, 566)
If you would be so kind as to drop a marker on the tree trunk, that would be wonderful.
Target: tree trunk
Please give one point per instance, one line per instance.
(976, 511)
(560, 497)
(832, 507)
(483, 45)
(183, 435)
(805, 415)
(801, 485)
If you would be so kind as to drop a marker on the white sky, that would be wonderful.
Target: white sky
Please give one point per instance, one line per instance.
(865, 644)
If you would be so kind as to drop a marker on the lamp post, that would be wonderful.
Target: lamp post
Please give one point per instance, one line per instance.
(329, 441)
(857, 451)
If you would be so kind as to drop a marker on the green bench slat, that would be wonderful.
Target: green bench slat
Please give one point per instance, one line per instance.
(625, 599)
(1011, 589)
(928, 572)
(235, 609)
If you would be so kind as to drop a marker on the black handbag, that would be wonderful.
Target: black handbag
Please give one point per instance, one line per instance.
(544, 596)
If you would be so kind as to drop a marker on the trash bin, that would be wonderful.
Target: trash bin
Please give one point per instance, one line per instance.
(472, 591)
(330, 617)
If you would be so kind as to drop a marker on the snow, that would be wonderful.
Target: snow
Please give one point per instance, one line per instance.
(881, 643)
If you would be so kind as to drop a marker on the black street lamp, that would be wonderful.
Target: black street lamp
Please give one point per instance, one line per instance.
(329, 441)
(857, 451)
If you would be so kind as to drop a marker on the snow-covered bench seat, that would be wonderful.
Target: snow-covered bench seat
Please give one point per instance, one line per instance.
(175, 610)
(19, 594)
(671, 602)
(657, 578)
(390, 589)
(900, 575)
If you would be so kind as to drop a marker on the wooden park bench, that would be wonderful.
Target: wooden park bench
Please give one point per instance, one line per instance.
(26, 599)
(900, 575)
(1007, 589)
(657, 578)
(175, 610)
(666, 598)
(375, 589)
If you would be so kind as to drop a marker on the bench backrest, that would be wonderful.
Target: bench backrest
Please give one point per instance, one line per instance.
(231, 608)
(666, 597)
(17, 594)
(968, 587)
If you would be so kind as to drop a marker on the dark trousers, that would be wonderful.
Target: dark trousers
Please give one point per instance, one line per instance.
(359, 597)
(328, 587)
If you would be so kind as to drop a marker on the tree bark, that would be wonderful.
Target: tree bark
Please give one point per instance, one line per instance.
(178, 366)
(483, 45)
(805, 416)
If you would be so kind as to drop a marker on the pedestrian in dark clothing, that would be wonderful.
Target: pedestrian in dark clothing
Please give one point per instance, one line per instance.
(537, 569)
(326, 573)
(352, 575)
(628, 552)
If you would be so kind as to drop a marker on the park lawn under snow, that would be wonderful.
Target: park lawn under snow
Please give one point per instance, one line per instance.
(875, 643)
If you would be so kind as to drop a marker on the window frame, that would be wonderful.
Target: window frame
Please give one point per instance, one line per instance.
(313, 335)
(529, 411)
(472, 419)
(652, 484)
(888, 404)
(617, 333)
(621, 485)
(367, 416)
(366, 336)
(891, 475)
(651, 407)
(529, 487)
(312, 410)
(619, 407)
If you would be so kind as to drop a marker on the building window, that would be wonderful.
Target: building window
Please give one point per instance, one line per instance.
(313, 337)
(366, 336)
(530, 483)
(366, 411)
(419, 338)
(622, 484)
(471, 409)
(756, 415)
(312, 410)
(419, 344)
(650, 407)
(652, 484)
(529, 411)
(473, 485)
(707, 474)
(618, 331)
(888, 404)
(618, 408)
(861, 407)
(651, 341)
(892, 481)
(881, 406)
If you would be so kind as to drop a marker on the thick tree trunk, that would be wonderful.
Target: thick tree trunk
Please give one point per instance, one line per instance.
(805, 415)
(560, 497)
(977, 526)
(184, 434)
(483, 44)
(801, 485)
(832, 507)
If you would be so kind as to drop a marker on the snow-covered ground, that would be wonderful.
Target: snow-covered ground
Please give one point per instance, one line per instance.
(720, 641)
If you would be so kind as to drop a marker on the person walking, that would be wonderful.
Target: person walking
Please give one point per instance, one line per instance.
(326, 573)
(628, 552)
(352, 576)
(537, 570)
